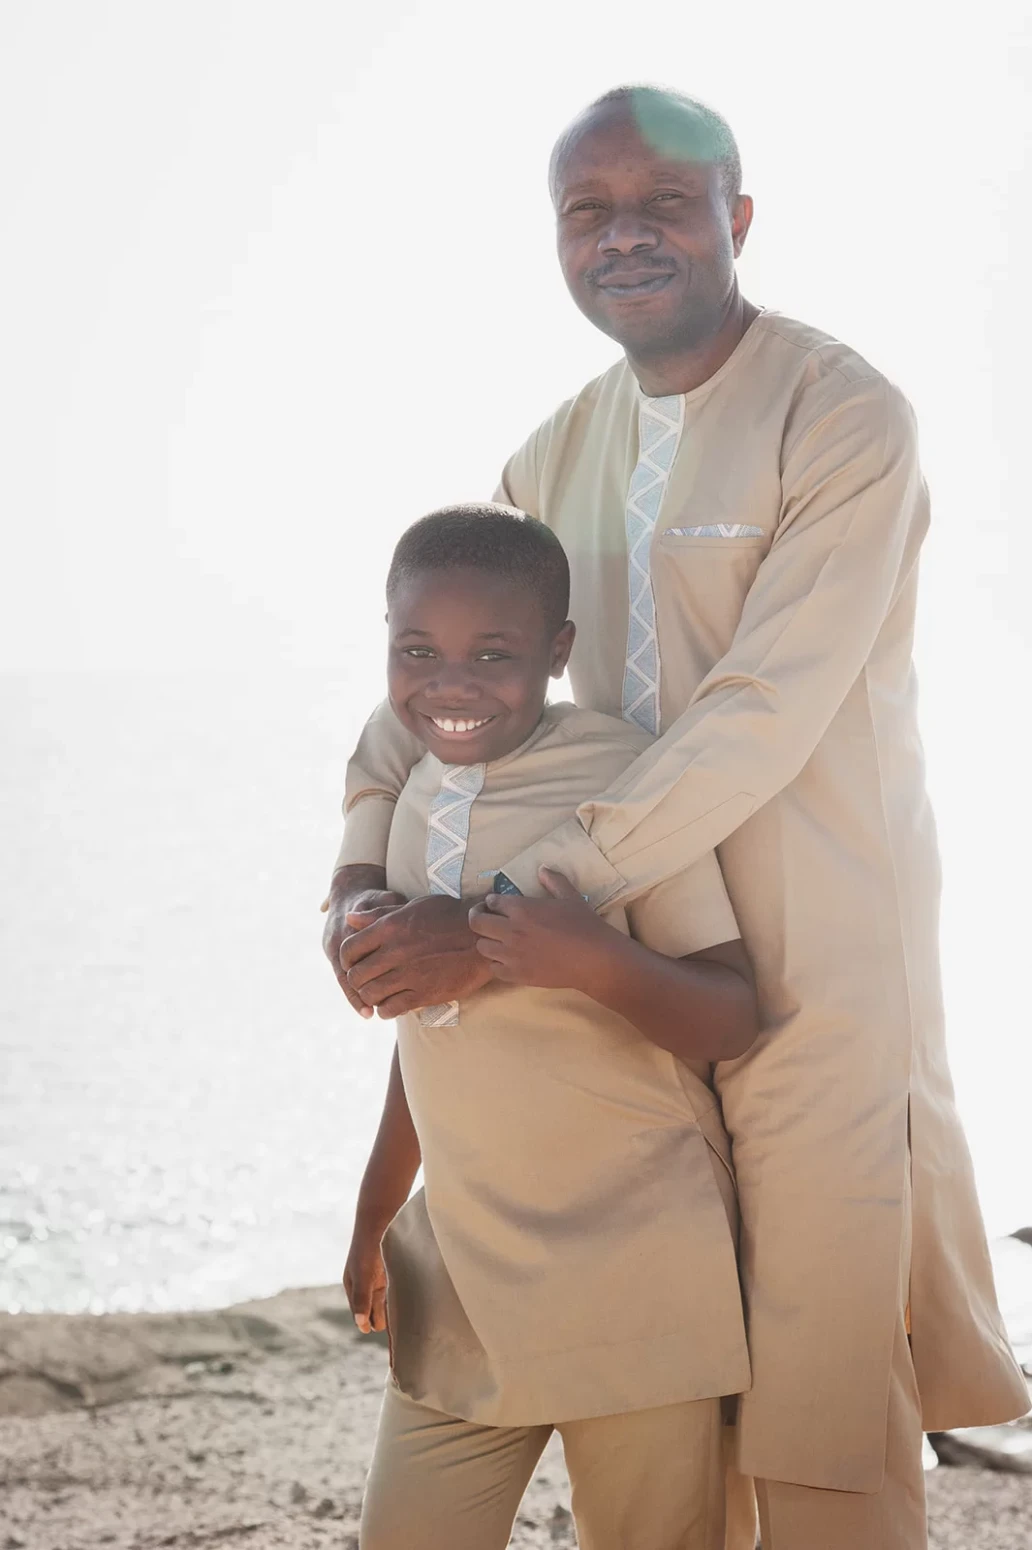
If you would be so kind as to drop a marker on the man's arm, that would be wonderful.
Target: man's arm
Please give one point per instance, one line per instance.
(376, 773)
(358, 896)
(426, 955)
(699, 1007)
(386, 1184)
(853, 516)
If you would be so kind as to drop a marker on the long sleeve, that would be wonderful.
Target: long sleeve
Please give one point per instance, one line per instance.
(376, 773)
(854, 511)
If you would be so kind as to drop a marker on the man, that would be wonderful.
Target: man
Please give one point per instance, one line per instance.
(743, 509)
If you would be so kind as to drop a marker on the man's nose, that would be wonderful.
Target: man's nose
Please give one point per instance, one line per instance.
(626, 235)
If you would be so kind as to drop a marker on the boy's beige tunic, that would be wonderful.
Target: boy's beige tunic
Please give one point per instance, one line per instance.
(790, 742)
(571, 1253)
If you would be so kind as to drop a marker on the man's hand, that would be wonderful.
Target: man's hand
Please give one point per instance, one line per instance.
(420, 955)
(365, 1277)
(556, 943)
(358, 897)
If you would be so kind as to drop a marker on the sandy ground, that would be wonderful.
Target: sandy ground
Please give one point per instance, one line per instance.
(251, 1429)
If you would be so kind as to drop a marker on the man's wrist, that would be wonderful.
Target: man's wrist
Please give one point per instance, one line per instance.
(351, 881)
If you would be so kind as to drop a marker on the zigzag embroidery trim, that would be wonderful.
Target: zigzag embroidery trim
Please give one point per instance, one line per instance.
(447, 835)
(715, 530)
(659, 430)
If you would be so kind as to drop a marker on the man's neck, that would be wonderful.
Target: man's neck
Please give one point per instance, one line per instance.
(683, 370)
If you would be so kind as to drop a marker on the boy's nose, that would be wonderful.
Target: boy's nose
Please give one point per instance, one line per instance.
(449, 685)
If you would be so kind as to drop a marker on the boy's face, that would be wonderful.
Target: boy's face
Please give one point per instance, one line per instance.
(469, 661)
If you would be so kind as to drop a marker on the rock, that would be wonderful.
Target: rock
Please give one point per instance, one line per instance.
(52, 1362)
(31, 1394)
(561, 1525)
(1007, 1449)
(298, 1494)
(1012, 1269)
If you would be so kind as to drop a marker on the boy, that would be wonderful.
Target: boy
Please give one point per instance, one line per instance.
(570, 1262)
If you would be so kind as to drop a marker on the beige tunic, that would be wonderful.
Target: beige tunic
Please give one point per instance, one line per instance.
(572, 1252)
(784, 574)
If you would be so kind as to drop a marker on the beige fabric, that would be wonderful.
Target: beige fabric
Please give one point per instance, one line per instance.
(790, 741)
(572, 1253)
(798, 1517)
(802, 1517)
(652, 1480)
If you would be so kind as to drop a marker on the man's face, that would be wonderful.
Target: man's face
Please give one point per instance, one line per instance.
(647, 241)
(469, 661)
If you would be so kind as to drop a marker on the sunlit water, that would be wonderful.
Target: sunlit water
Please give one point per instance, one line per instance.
(185, 1099)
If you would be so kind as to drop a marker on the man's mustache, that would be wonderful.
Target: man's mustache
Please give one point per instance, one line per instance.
(628, 266)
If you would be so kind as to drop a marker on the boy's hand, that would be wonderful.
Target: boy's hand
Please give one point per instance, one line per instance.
(556, 943)
(365, 1278)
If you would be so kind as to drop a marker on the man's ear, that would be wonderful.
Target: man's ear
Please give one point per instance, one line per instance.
(741, 220)
(561, 648)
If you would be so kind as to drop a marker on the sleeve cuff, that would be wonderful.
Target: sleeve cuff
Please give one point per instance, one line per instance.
(568, 850)
(366, 827)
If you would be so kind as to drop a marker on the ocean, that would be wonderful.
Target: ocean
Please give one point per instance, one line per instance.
(186, 1100)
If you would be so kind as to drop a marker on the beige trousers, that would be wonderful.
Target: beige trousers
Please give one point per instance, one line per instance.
(649, 1480)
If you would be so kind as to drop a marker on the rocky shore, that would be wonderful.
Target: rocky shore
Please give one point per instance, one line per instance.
(250, 1429)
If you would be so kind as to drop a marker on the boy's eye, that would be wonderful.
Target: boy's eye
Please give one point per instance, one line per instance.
(417, 651)
(493, 656)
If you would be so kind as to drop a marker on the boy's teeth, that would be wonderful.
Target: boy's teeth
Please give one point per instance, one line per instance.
(446, 724)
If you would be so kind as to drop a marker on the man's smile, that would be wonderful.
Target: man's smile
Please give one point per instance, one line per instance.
(638, 283)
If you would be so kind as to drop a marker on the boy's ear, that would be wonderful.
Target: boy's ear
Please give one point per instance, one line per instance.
(561, 648)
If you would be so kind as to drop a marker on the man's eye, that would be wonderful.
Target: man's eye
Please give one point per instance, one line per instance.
(493, 656)
(421, 652)
(585, 204)
(666, 196)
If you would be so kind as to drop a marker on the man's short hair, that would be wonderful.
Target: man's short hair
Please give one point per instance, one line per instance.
(679, 125)
(498, 540)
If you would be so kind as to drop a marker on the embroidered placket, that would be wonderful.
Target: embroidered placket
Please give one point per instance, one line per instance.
(659, 431)
(447, 834)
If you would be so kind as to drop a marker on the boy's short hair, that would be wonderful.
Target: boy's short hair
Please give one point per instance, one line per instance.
(498, 540)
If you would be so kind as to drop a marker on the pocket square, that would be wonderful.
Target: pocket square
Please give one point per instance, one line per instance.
(715, 530)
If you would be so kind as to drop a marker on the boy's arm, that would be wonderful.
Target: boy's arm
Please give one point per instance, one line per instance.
(386, 1184)
(701, 1006)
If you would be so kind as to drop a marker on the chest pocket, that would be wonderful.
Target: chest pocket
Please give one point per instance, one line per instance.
(701, 575)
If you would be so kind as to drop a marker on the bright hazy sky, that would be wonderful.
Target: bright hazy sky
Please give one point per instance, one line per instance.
(278, 277)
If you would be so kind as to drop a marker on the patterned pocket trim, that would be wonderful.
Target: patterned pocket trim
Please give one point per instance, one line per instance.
(715, 530)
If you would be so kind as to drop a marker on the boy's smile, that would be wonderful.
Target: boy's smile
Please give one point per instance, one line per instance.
(469, 661)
